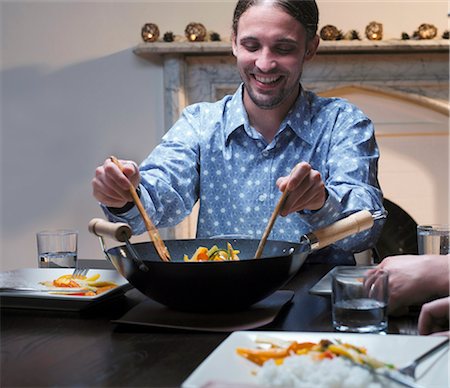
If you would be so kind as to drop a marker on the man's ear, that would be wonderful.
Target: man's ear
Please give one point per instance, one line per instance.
(311, 47)
(234, 44)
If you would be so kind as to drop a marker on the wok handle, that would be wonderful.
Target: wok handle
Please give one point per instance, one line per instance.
(118, 231)
(354, 223)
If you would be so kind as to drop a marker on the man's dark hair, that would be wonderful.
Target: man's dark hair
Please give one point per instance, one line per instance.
(304, 11)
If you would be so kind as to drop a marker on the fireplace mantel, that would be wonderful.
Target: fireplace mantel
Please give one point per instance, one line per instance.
(205, 71)
(148, 50)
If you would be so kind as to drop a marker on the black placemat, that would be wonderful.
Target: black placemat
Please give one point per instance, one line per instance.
(152, 314)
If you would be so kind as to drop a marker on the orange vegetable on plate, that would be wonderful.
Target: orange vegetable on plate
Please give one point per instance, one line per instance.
(66, 281)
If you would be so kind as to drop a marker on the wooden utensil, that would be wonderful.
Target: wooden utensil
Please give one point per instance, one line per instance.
(269, 226)
(274, 216)
(158, 242)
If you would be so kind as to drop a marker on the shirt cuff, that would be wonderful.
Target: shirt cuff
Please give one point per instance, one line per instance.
(124, 209)
(329, 212)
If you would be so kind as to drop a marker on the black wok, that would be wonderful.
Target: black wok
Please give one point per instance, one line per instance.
(216, 286)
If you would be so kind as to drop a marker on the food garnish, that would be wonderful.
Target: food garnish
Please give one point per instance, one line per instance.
(319, 351)
(213, 254)
(89, 286)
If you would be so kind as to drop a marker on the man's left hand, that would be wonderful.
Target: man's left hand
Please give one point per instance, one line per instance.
(434, 317)
(306, 189)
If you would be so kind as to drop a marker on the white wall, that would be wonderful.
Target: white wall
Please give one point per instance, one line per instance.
(73, 93)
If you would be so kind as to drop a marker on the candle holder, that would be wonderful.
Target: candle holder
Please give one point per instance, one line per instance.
(374, 31)
(330, 32)
(150, 32)
(427, 31)
(195, 32)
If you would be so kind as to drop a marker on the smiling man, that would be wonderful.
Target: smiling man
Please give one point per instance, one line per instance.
(271, 47)
(236, 155)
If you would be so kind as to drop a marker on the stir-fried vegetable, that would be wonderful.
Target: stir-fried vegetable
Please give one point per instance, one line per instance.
(90, 286)
(319, 351)
(213, 254)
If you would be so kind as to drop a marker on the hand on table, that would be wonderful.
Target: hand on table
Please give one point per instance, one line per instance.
(306, 189)
(111, 186)
(434, 317)
(415, 279)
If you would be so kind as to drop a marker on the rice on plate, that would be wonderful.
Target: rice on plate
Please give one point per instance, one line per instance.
(303, 371)
(323, 364)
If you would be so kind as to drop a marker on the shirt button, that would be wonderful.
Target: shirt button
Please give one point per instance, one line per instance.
(265, 153)
(262, 197)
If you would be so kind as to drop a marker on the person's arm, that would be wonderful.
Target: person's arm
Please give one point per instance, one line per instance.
(434, 317)
(415, 279)
(168, 179)
(348, 181)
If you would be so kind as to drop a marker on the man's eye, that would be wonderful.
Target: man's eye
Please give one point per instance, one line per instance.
(251, 47)
(284, 49)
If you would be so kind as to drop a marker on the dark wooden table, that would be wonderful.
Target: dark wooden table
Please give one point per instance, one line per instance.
(55, 348)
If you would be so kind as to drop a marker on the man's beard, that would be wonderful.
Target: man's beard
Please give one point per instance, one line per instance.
(267, 102)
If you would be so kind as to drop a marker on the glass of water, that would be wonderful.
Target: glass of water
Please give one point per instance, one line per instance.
(433, 239)
(57, 248)
(360, 299)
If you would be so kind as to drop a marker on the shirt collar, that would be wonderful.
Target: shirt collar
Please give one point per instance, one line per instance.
(298, 118)
(236, 115)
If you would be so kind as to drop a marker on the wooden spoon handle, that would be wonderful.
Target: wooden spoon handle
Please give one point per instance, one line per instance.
(269, 226)
(274, 216)
(158, 242)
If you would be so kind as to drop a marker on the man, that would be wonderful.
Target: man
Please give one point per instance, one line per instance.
(236, 155)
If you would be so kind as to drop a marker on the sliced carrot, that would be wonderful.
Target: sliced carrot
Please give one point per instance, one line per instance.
(65, 281)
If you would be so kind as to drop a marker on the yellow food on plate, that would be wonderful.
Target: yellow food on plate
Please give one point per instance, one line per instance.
(214, 254)
(93, 278)
(321, 350)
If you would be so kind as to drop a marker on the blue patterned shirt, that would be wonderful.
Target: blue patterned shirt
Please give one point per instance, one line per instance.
(212, 154)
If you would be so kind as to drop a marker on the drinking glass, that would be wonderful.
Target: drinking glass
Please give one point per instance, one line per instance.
(57, 248)
(433, 239)
(360, 299)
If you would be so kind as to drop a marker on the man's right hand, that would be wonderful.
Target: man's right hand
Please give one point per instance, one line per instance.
(111, 186)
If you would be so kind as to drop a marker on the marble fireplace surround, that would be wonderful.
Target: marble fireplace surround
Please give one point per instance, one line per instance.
(205, 71)
(415, 72)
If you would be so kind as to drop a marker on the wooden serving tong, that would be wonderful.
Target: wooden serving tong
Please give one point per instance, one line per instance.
(153, 232)
(352, 224)
(269, 226)
(272, 220)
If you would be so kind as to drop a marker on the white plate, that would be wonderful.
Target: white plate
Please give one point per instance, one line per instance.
(225, 366)
(31, 277)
